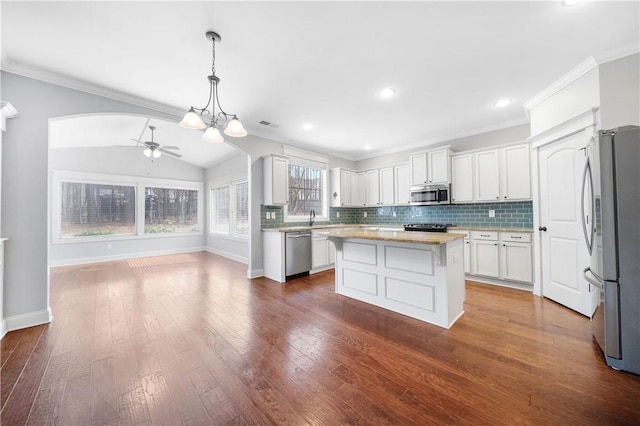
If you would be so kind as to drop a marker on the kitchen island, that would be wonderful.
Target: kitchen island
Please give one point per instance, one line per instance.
(418, 274)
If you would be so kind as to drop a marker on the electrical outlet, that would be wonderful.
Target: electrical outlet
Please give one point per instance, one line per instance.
(267, 215)
(365, 214)
(109, 246)
(338, 214)
(273, 215)
(394, 214)
(492, 213)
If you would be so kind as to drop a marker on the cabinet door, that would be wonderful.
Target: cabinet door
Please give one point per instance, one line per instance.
(331, 248)
(386, 186)
(467, 256)
(372, 190)
(516, 174)
(418, 165)
(515, 262)
(462, 179)
(345, 188)
(438, 166)
(402, 184)
(487, 176)
(485, 258)
(361, 192)
(276, 180)
(354, 199)
(319, 252)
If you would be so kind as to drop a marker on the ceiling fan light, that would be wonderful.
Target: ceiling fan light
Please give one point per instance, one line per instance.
(155, 153)
(192, 120)
(235, 128)
(147, 152)
(212, 134)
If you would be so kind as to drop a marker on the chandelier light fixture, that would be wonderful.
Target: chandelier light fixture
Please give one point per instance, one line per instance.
(202, 118)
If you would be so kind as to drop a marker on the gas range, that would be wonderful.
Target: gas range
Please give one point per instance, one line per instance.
(427, 227)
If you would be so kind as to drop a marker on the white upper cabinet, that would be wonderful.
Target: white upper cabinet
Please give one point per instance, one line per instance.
(418, 165)
(438, 166)
(340, 187)
(372, 189)
(487, 175)
(353, 185)
(387, 186)
(516, 173)
(276, 180)
(360, 198)
(462, 178)
(402, 184)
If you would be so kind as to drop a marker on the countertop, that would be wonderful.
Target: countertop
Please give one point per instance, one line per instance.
(398, 236)
(400, 228)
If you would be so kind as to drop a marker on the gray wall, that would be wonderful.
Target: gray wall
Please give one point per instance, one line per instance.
(482, 140)
(620, 92)
(24, 178)
(123, 161)
(233, 168)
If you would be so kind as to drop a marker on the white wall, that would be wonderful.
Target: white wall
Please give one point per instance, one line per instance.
(127, 162)
(224, 172)
(25, 190)
(620, 92)
(482, 140)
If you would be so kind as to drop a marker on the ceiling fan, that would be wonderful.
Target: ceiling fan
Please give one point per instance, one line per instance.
(153, 149)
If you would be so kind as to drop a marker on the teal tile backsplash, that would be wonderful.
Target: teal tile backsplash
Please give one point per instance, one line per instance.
(507, 215)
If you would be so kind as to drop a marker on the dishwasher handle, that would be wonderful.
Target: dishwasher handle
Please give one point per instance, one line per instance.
(298, 234)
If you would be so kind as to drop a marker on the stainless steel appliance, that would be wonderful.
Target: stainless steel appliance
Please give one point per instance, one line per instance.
(426, 227)
(297, 253)
(426, 195)
(611, 219)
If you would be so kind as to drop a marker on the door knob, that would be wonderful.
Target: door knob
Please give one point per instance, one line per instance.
(542, 228)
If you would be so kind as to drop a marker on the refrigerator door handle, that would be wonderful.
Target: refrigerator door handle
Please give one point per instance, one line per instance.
(597, 282)
(587, 228)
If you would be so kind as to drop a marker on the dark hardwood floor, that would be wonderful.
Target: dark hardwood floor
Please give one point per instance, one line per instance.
(187, 339)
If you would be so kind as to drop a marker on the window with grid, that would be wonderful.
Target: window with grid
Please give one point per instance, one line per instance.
(230, 209)
(95, 209)
(306, 191)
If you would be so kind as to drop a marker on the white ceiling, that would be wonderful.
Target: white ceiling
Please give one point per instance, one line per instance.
(323, 62)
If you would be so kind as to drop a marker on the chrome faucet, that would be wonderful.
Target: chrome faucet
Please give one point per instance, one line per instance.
(312, 217)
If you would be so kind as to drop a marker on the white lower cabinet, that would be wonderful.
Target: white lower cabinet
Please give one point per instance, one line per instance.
(506, 256)
(484, 254)
(323, 251)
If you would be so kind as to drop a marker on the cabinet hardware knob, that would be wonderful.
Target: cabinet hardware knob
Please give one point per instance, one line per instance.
(542, 228)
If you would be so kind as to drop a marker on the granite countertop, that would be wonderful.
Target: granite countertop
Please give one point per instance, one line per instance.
(400, 228)
(307, 228)
(489, 228)
(398, 236)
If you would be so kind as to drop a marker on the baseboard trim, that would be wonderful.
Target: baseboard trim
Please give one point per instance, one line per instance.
(501, 283)
(30, 319)
(228, 255)
(255, 273)
(98, 259)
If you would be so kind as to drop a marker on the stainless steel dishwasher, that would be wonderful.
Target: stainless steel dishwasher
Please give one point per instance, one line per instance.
(297, 253)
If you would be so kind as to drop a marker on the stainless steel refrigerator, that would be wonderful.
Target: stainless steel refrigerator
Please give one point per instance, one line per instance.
(611, 219)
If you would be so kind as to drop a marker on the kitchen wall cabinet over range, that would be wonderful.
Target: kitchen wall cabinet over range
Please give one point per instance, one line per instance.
(431, 167)
(275, 180)
(376, 187)
(501, 174)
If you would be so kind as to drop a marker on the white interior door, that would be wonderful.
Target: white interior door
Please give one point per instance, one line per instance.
(563, 249)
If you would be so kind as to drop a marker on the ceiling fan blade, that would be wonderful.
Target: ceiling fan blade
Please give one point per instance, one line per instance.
(127, 146)
(170, 147)
(173, 154)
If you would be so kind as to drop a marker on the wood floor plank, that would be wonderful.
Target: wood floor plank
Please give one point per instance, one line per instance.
(188, 339)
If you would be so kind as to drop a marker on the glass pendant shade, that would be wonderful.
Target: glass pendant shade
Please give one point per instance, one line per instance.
(235, 128)
(155, 153)
(212, 134)
(147, 152)
(192, 120)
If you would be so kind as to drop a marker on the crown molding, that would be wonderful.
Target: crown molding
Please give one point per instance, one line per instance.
(7, 111)
(586, 66)
(40, 74)
(621, 52)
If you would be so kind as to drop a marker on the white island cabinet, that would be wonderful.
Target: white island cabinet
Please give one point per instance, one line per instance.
(418, 274)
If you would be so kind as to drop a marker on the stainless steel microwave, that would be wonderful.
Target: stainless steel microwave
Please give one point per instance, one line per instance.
(426, 195)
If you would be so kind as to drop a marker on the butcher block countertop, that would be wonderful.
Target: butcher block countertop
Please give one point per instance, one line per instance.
(398, 236)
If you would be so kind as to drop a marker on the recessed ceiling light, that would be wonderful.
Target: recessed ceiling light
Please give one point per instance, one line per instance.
(502, 102)
(308, 126)
(367, 148)
(569, 3)
(387, 92)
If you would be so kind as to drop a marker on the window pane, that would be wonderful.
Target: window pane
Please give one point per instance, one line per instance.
(221, 210)
(305, 190)
(170, 210)
(242, 209)
(90, 210)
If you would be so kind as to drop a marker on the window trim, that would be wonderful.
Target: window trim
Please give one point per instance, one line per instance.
(233, 213)
(139, 184)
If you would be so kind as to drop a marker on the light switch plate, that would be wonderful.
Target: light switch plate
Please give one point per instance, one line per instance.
(337, 214)
(492, 213)
(365, 214)
(394, 214)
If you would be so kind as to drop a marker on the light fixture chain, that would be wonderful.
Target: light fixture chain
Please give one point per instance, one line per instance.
(213, 56)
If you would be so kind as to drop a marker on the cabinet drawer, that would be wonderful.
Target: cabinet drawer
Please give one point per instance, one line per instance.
(516, 237)
(319, 234)
(484, 235)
